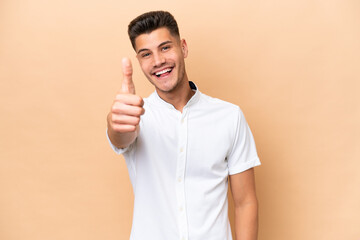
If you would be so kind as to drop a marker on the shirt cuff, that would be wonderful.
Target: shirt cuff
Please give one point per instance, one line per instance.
(245, 166)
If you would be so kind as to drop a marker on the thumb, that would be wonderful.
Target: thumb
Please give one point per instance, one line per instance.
(127, 85)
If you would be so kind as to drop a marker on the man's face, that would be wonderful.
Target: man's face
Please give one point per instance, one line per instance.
(161, 57)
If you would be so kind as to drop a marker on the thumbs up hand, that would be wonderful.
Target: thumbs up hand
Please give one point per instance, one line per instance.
(124, 117)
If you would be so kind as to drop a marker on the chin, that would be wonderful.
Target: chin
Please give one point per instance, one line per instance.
(165, 89)
(165, 85)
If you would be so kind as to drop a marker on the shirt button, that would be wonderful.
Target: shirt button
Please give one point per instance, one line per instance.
(182, 120)
(179, 179)
(183, 238)
(181, 149)
(180, 209)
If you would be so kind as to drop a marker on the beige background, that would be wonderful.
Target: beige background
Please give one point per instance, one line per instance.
(292, 66)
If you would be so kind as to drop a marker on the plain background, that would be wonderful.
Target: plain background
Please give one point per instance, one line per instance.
(292, 66)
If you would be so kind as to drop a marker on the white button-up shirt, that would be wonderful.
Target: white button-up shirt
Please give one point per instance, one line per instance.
(179, 166)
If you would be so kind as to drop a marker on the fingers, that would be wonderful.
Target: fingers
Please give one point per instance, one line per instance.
(130, 99)
(127, 110)
(127, 107)
(127, 85)
(124, 128)
(125, 119)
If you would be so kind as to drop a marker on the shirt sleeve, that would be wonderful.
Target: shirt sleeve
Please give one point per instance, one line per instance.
(243, 155)
(128, 154)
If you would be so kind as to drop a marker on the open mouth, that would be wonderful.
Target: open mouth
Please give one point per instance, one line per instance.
(163, 73)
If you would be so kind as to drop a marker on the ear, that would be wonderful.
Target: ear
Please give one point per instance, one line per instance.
(184, 48)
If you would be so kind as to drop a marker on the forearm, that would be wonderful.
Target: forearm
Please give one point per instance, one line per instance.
(121, 140)
(246, 221)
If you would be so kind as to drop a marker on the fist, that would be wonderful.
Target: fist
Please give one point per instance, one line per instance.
(127, 107)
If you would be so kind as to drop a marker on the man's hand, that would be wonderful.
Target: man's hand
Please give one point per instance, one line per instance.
(124, 117)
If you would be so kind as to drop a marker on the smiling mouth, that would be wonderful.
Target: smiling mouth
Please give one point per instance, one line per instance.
(163, 73)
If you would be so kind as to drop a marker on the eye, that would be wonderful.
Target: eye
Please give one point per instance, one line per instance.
(165, 48)
(144, 55)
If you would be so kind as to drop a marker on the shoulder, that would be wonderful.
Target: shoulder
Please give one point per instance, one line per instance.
(150, 98)
(217, 104)
(151, 101)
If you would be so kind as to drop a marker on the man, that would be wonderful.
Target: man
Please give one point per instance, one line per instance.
(181, 146)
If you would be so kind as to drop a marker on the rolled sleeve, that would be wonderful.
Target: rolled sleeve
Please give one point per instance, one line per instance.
(243, 154)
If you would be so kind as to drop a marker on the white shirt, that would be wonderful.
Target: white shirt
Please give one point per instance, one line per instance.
(179, 166)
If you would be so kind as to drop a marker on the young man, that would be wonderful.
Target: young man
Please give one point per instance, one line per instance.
(181, 147)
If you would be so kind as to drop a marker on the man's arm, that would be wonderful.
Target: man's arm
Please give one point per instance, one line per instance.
(242, 187)
(124, 116)
(119, 138)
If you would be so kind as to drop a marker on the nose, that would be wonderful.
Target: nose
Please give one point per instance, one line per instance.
(159, 59)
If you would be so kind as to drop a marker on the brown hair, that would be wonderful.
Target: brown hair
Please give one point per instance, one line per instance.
(150, 21)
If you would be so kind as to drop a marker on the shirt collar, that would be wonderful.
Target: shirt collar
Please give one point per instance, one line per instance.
(157, 100)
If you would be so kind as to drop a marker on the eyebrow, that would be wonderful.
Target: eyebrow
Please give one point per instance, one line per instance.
(160, 45)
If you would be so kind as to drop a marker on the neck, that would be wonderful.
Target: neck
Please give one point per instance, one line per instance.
(179, 96)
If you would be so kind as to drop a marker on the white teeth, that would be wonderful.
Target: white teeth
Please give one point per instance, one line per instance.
(163, 71)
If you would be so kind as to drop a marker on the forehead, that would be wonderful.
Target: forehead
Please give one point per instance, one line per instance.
(153, 39)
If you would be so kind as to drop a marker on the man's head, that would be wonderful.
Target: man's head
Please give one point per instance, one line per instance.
(160, 51)
(150, 21)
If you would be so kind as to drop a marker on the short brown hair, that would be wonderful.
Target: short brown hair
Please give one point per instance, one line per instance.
(150, 21)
